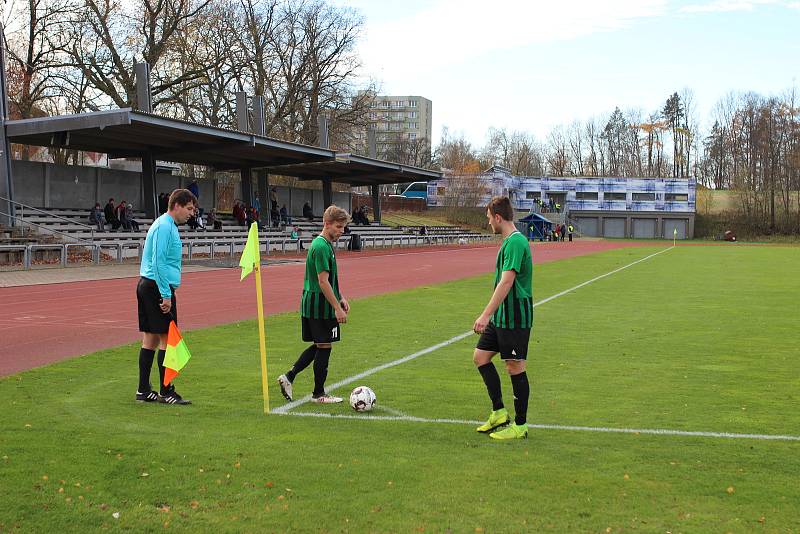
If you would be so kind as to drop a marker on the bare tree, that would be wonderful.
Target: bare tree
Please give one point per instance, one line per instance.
(109, 38)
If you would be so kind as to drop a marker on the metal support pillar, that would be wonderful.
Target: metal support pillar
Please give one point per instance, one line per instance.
(262, 178)
(327, 193)
(144, 99)
(242, 119)
(6, 178)
(149, 185)
(262, 181)
(247, 186)
(324, 142)
(372, 146)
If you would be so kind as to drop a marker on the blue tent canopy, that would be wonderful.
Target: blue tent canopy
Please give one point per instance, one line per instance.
(536, 226)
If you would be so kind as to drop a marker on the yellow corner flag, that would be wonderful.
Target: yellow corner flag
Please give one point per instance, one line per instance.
(250, 254)
(250, 260)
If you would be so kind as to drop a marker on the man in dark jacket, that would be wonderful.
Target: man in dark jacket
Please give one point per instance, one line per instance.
(110, 211)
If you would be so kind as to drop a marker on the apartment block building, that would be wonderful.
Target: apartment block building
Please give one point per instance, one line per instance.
(400, 122)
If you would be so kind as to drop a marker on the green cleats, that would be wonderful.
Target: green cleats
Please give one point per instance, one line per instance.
(512, 431)
(497, 419)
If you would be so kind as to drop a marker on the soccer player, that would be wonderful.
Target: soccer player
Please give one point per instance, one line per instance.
(505, 324)
(160, 277)
(322, 308)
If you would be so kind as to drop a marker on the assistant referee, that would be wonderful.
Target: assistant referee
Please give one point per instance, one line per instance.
(155, 293)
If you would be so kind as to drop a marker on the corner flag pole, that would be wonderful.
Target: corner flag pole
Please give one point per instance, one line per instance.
(261, 340)
(250, 260)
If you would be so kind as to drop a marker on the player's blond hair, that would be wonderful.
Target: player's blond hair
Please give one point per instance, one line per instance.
(335, 214)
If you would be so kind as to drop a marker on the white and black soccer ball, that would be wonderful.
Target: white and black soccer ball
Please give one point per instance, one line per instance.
(362, 399)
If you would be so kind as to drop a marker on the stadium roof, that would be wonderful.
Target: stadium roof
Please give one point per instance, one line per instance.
(128, 133)
(357, 170)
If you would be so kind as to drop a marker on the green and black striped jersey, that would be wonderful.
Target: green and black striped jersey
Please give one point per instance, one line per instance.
(516, 311)
(321, 258)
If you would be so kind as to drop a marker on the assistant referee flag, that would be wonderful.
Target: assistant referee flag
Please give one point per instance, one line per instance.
(177, 355)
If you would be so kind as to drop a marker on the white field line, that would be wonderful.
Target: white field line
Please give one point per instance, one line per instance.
(298, 402)
(656, 431)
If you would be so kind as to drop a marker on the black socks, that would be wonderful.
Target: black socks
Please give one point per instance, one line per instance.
(521, 392)
(145, 364)
(302, 362)
(321, 370)
(492, 380)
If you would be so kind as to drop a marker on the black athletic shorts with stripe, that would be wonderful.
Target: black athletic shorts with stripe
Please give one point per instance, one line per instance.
(511, 343)
(321, 330)
(151, 319)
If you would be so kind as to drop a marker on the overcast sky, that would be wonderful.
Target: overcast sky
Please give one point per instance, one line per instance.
(531, 65)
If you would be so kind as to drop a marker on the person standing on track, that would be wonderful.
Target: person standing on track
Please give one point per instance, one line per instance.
(155, 293)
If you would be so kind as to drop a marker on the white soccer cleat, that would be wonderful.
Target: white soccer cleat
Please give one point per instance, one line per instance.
(286, 387)
(326, 399)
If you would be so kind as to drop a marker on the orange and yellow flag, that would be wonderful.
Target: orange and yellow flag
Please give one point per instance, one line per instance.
(177, 353)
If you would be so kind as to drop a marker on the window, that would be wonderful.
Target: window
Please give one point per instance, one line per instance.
(440, 190)
(586, 195)
(614, 196)
(530, 195)
(676, 197)
(412, 136)
(373, 115)
(644, 197)
(399, 104)
(412, 114)
(412, 103)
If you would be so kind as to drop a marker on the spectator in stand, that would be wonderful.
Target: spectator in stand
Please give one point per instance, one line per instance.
(296, 235)
(195, 189)
(307, 212)
(134, 224)
(285, 219)
(274, 217)
(253, 217)
(121, 217)
(256, 202)
(364, 216)
(96, 216)
(213, 221)
(163, 203)
(273, 199)
(239, 213)
(111, 214)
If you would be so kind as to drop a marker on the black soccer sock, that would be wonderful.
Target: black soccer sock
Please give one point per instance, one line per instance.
(321, 370)
(492, 380)
(164, 389)
(302, 362)
(521, 392)
(145, 364)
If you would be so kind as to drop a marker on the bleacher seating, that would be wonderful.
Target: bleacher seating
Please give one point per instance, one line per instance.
(72, 225)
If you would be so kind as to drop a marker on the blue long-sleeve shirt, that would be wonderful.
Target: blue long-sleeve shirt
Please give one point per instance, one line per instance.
(161, 257)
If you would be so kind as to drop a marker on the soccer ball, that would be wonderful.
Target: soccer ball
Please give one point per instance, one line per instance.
(362, 399)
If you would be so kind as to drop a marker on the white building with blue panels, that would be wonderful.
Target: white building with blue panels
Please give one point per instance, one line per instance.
(602, 207)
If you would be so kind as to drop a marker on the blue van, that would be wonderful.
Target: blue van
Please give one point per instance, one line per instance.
(416, 190)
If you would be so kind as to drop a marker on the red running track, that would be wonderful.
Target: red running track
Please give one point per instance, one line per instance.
(47, 323)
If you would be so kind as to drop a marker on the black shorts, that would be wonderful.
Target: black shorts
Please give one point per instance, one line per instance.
(151, 319)
(321, 330)
(511, 343)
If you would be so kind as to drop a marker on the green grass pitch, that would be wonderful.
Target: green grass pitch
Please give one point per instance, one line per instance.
(699, 339)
